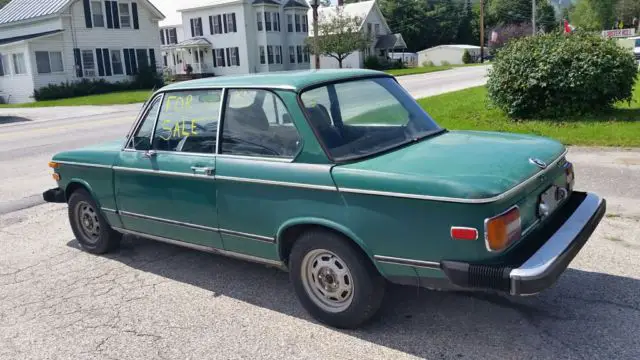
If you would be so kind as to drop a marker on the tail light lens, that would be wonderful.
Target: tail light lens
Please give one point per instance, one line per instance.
(502, 230)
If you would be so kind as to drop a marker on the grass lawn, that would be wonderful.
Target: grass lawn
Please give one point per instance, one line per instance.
(470, 110)
(125, 97)
(417, 70)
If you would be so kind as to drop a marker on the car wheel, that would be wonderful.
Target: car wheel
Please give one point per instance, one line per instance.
(89, 226)
(334, 281)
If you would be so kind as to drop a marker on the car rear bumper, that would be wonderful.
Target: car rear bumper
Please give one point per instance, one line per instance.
(565, 239)
(55, 195)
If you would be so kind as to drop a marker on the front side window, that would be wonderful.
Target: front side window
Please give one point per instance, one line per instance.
(142, 138)
(98, 18)
(363, 117)
(116, 62)
(125, 17)
(19, 66)
(188, 122)
(256, 123)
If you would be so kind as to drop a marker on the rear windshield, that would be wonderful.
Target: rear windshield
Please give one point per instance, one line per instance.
(363, 117)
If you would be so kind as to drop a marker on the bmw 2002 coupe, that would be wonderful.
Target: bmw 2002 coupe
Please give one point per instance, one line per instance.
(338, 177)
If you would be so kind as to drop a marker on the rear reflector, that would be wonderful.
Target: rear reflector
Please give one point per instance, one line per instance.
(463, 233)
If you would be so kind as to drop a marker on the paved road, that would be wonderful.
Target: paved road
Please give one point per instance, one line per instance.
(27, 146)
(155, 301)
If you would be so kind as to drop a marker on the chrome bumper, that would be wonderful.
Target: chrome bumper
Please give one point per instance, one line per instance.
(562, 239)
(543, 268)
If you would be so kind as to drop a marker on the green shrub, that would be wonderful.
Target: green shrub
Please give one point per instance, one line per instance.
(466, 57)
(556, 75)
(428, 63)
(373, 63)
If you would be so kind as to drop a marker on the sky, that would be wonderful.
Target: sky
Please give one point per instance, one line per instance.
(169, 7)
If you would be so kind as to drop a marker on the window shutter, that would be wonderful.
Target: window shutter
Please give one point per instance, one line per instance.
(134, 64)
(108, 12)
(78, 59)
(107, 62)
(192, 30)
(233, 19)
(228, 57)
(134, 10)
(222, 57)
(127, 62)
(237, 54)
(211, 24)
(152, 59)
(116, 15)
(87, 13)
(214, 52)
(224, 18)
(278, 17)
(162, 37)
(100, 63)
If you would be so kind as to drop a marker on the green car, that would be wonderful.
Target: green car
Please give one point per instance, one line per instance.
(338, 177)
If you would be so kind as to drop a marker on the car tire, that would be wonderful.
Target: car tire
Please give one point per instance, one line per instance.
(90, 228)
(334, 281)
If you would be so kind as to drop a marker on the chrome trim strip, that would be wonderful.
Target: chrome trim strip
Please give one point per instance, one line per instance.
(457, 200)
(223, 101)
(109, 210)
(537, 265)
(167, 221)
(72, 163)
(255, 158)
(409, 262)
(250, 236)
(162, 172)
(208, 249)
(277, 183)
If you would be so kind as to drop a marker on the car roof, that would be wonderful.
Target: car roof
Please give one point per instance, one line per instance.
(290, 80)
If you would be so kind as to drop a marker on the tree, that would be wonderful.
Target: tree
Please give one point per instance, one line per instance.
(518, 12)
(594, 14)
(3, 3)
(627, 10)
(338, 36)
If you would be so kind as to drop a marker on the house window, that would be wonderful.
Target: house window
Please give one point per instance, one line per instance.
(19, 66)
(49, 62)
(220, 57)
(88, 63)
(231, 22)
(270, 53)
(290, 23)
(116, 62)
(261, 48)
(299, 48)
(267, 21)
(276, 21)
(297, 23)
(172, 35)
(4, 65)
(278, 54)
(377, 29)
(368, 28)
(125, 16)
(98, 18)
(259, 17)
(292, 54)
(305, 24)
(234, 58)
(216, 25)
(196, 27)
(306, 54)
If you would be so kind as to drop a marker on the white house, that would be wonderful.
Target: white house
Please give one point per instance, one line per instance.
(224, 37)
(451, 54)
(373, 25)
(46, 42)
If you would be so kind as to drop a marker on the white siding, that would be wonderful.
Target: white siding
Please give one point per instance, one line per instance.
(51, 43)
(33, 27)
(437, 55)
(17, 88)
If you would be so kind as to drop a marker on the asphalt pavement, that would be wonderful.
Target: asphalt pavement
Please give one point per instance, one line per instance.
(156, 301)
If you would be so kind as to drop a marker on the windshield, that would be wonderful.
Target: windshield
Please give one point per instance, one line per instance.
(363, 117)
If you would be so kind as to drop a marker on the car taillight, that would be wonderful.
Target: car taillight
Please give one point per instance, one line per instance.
(502, 230)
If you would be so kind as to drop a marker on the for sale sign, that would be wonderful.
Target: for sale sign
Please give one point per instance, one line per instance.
(619, 33)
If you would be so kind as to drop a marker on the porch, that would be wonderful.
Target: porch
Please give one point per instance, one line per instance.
(188, 58)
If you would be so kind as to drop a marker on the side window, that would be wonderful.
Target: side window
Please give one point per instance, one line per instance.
(142, 139)
(256, 123)
(188, 122)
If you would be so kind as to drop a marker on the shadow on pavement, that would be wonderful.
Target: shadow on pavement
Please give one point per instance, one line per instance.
(12, 119)
(586, 315)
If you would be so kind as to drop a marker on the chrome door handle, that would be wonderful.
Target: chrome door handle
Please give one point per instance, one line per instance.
(150, 153)
(203, 170)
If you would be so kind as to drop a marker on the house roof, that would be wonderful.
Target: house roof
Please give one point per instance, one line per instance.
(294, 3)
(392, 41)
(204, 4)
(266, 2)
(27, 37)
(292, 80)
(20, 10)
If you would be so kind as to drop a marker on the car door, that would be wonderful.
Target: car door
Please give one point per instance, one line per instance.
(259, 186)
(164, 177)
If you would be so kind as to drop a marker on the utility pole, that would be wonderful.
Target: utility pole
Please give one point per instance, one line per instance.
(533, 17)
(314, 6)
(482, 31)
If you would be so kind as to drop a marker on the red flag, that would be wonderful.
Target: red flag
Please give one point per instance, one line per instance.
(567, 28)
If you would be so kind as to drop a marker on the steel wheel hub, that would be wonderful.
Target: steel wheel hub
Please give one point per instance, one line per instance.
(88, 220)
(327, 280)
